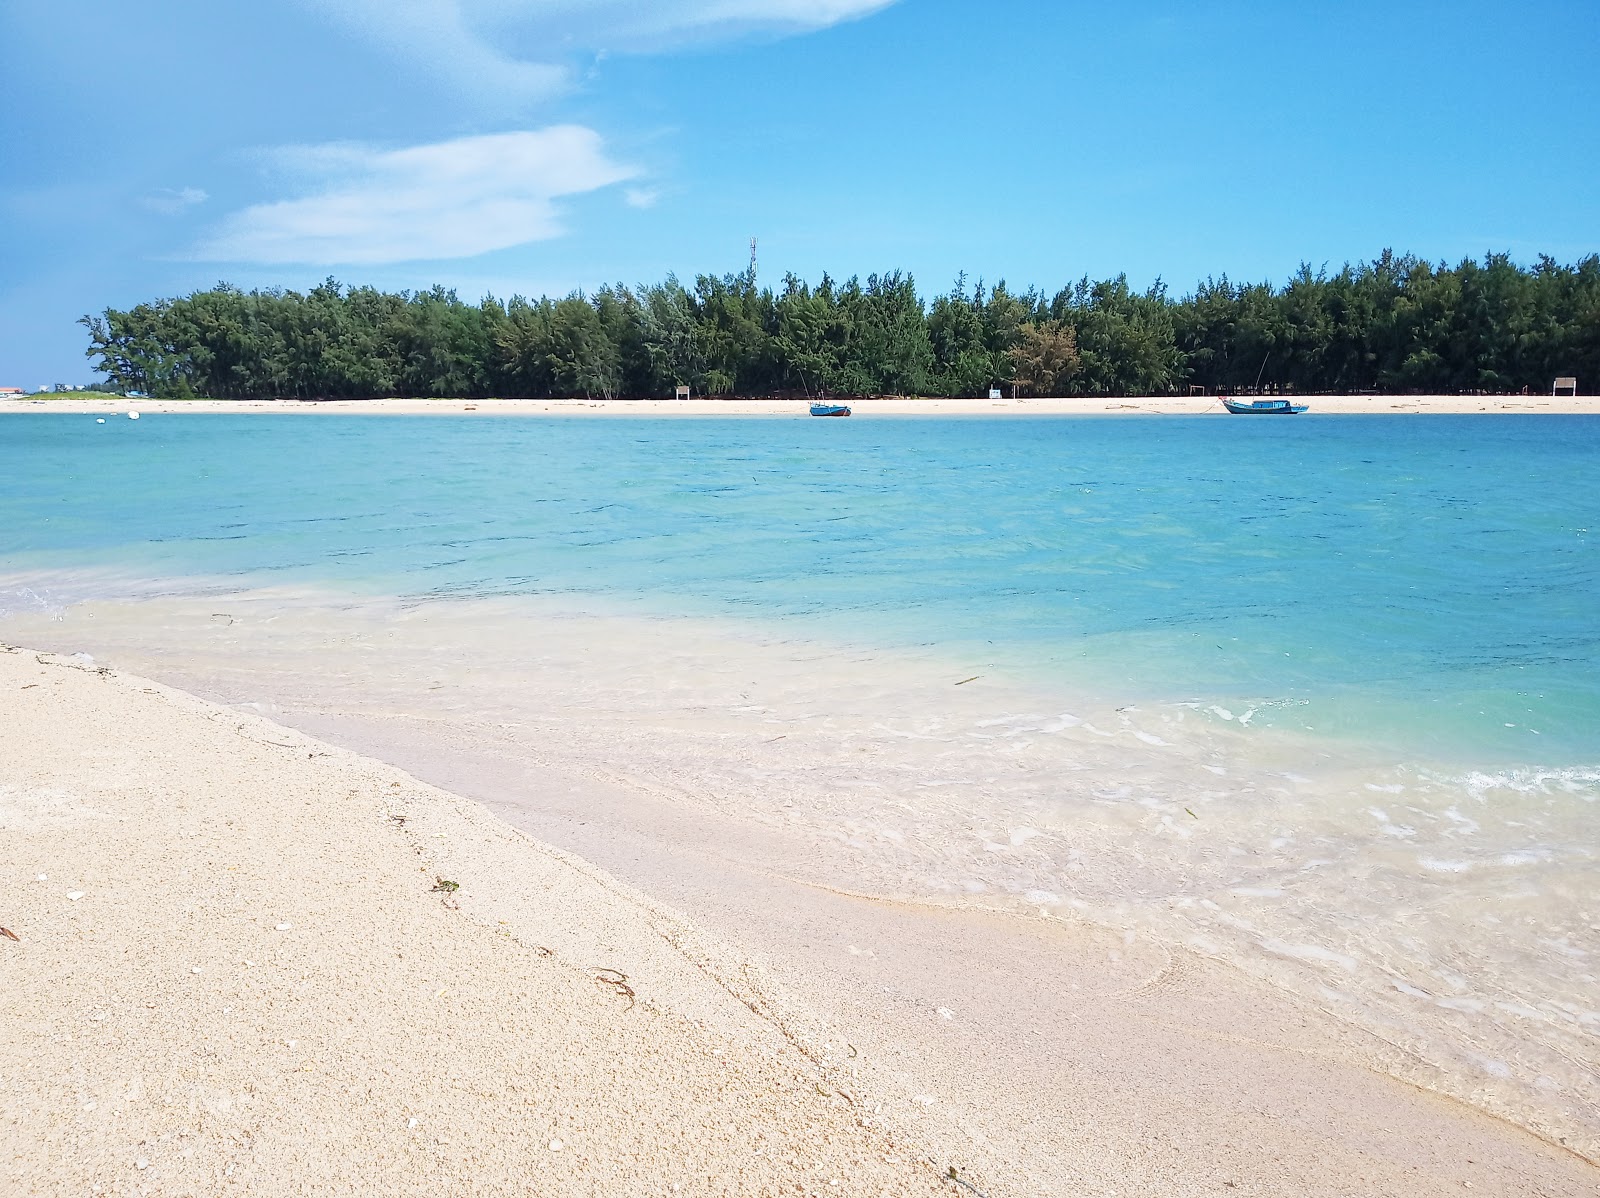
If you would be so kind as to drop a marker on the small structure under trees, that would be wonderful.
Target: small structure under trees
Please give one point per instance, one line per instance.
(1567, 384)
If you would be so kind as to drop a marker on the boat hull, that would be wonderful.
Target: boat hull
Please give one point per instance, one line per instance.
(1264, 407)
(829, 409)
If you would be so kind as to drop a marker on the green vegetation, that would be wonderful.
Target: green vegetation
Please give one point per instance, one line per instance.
(1396, 324)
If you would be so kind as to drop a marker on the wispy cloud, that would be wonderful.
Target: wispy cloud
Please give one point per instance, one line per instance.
(518, 49)
(643, 24)
(446, 38)
(641, 197)
(452, 199)
(170, 201)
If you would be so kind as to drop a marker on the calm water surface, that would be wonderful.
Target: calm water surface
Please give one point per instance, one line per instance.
(1318, 696)
(1433, 583)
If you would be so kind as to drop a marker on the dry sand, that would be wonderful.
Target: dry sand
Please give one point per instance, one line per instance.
(231, 974)
(1081, 406)
(871, 1043)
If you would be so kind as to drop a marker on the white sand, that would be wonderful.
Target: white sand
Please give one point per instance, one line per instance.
(1082, 406)
(1068, 1063)
(232, 975)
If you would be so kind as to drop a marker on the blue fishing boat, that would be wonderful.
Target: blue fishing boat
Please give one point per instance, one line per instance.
(1261, 407)
(830, 409)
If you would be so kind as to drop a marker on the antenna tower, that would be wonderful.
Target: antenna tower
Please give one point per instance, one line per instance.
(752, 261)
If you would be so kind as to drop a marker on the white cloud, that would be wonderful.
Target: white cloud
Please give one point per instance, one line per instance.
(641, 197)
(451, 199)
(170, 201)
(516, 48)
(443, 36)
(640, 25)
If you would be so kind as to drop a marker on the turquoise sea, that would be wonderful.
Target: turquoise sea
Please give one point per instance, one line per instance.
(1319, 697)
(1433, 584)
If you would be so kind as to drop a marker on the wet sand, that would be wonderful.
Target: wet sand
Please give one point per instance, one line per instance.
(1056, 1056)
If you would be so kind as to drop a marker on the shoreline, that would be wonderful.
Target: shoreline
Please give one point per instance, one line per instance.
(1051, 1056)
(1329, 405)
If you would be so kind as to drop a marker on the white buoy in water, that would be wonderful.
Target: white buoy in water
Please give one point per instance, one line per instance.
(133, 415)
(99, 419)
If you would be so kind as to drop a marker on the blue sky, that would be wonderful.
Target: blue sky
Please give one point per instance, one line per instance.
(545, 145)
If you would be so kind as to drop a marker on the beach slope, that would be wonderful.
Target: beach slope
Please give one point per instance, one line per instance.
(231, 966)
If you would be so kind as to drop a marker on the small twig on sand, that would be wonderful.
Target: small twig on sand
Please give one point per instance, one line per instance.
(974, 678)
(10, 935)
(618, 979)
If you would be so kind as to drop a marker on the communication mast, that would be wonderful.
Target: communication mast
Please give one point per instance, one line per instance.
(752, 262)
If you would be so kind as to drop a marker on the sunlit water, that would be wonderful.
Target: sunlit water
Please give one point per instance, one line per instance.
(1319, 696)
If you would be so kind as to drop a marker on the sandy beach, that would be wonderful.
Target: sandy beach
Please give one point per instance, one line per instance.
(234, 972)
(1161, 405)
(230, 967)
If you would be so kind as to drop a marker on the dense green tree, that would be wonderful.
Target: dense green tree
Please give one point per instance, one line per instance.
(582, 357)
(886, 350)
(1397, 323)
(731, 335)
(1127, 340)
(667, 338)
(809, 335)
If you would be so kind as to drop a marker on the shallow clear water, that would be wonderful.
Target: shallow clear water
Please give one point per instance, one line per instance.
(1429, 583)
(1316, 696)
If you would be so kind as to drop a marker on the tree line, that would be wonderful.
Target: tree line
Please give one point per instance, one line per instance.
(1397, 324)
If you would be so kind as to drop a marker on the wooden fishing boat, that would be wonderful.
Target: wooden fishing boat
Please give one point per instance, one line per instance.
(1261, 407)
(830, 409)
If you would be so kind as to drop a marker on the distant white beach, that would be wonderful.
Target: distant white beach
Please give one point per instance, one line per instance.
(1158, 405)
